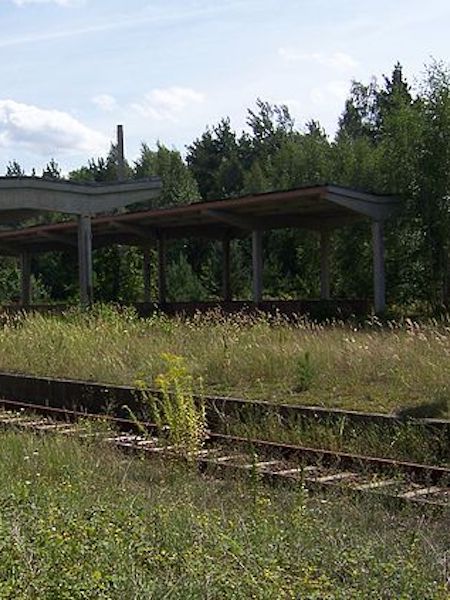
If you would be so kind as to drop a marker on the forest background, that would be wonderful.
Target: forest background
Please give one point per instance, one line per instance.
(393, 137)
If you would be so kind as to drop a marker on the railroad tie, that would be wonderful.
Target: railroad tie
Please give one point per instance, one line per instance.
(261, 465)
(290, 472)
(332, 478)
(427, 491)
(375, 485)
(227, 458)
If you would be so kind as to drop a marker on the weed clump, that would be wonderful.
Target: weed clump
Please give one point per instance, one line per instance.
(179, 415)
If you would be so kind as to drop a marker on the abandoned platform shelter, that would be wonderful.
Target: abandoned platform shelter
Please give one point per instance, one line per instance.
(319, 208)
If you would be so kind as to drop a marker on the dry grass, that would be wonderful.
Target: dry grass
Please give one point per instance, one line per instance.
(374, 368)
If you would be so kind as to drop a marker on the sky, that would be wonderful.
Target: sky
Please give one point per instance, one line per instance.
(71, 70)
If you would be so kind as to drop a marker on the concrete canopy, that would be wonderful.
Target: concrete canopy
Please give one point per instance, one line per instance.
(321, 208)
(25, 197)
(22, 198)
(318, 208)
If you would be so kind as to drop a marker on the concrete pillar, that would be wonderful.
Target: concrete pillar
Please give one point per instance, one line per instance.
(25, 279)
(257, 263)
(379, 283)
(162, 285)
(325, 265)
(147, 264)
(226, 281)
(85, 259)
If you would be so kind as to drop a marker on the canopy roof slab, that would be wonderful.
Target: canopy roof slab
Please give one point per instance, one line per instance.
(25, 197)
(320, 208)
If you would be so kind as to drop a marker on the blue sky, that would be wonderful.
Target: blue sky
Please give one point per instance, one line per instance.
(70, 70)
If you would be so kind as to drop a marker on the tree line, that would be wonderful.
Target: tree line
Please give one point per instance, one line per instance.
(392, 137)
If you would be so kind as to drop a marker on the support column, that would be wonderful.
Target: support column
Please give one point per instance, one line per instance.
(85, 259)
(226, 281)
(146, 272)
(25, 279)
(162, 286)
(325, 265)
(379, 283)
(257, 263)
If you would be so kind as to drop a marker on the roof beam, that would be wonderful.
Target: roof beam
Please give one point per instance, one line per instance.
(235, 220)
(285, 221)
(315, 223)
(54, 237)
(136, 230)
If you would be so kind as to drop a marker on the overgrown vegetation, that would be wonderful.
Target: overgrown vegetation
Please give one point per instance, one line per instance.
(119, 527)
(405, 441)
(179, 416)
(391, 368)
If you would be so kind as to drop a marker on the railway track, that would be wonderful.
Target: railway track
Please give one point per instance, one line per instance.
(314, 468)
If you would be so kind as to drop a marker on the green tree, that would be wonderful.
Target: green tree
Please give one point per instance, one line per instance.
(433, 181)
(52, 170)
(178, 183)
(215, 162)
(183, 283)
(13, 169)
(361, 116)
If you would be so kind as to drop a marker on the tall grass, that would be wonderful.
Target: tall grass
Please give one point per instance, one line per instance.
(400, 441)
(395, 367)
(81, 521)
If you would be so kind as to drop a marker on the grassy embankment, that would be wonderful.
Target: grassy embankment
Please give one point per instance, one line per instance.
(79, 521)
(393, 368)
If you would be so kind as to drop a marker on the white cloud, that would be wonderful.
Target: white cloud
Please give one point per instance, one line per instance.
(335, 60)
(45, 131)
(105, 102)
(58, 2)
(334, 90)
(165, 104)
